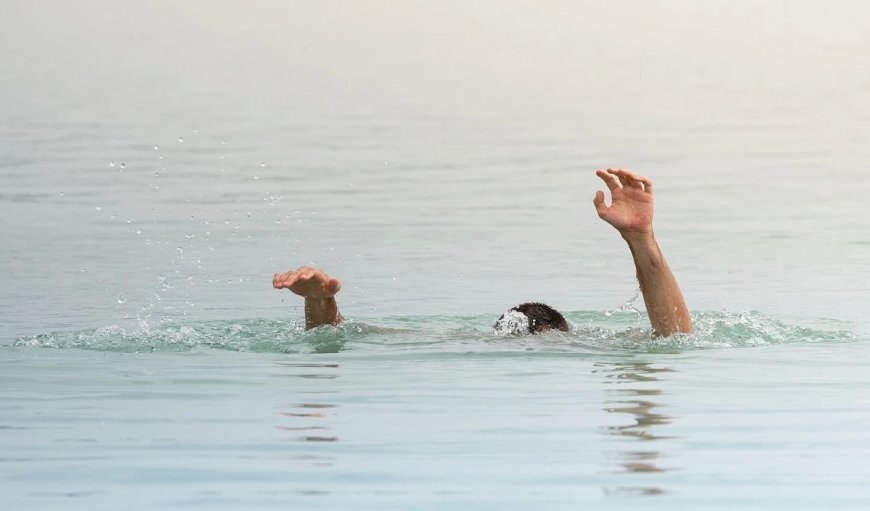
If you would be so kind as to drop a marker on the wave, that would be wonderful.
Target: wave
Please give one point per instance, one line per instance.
(592, 332)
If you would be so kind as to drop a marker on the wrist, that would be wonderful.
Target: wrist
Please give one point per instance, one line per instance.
(319, 303)
(638, 236)
(321, 311)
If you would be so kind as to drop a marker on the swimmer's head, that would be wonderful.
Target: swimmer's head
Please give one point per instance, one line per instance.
(530, 318)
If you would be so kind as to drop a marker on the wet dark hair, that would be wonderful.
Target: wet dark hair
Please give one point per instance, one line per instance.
(541, 316)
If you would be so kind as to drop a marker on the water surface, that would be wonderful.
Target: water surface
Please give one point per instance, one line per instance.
(161, 161)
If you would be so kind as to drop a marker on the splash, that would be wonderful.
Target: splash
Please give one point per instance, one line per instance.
(269, 336)
(592, 332)
(730, 330)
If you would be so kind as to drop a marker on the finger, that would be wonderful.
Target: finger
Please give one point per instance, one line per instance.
(647, 184)
(333, 285)
(282, 278)
(276, 279)
(600, 207)
(288, 277)
(642, 182)
(610, 180)
(624, 180)
(289, 281)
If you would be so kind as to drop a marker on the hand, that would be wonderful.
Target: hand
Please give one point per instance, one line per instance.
(631, 207)
(308, 282)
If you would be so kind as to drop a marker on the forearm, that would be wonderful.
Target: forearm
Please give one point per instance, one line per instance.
(664, 301)
(321, 311)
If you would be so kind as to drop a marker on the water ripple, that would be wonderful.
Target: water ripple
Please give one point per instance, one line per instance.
(592, 333)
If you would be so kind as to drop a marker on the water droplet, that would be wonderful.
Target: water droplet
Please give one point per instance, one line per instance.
(248, 214)
(113, 216)
(386, 162)
(129, 220)
(123, 166)
(122, 298)
(180, 139)
(98, 208)
(256, 177)
(394, 277)
(83, 270)
(157, 148)
(61, 194)
(138, 231)
(262, 164)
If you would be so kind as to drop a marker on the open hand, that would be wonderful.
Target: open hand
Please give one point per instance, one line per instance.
(308, 282)
(631, 207)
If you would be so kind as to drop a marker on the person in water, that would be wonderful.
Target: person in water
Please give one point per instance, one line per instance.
(630, 212)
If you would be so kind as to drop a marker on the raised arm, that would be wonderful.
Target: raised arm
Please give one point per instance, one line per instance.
(319, 290)
(631, 213)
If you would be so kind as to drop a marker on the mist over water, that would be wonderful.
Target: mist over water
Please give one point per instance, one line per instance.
(161, 160)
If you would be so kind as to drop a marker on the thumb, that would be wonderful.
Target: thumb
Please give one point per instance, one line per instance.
(598, 201)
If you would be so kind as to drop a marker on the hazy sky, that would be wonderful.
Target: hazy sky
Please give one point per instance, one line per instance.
(645, 61)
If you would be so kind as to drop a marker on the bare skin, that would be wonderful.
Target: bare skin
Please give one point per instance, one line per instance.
(318, 289)
(631, 213)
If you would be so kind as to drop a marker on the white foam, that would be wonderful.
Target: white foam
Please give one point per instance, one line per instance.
(512, 322)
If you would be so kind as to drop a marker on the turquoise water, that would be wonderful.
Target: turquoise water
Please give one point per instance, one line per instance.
(747, 413)
(160, 162)
(609, 332)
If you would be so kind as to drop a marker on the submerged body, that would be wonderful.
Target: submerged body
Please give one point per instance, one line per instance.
(630, 213)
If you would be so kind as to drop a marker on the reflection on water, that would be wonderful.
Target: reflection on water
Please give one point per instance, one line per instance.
(635, 392)
(306, 417)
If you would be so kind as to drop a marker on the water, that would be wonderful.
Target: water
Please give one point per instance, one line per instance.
(358, 417)
(160, 162)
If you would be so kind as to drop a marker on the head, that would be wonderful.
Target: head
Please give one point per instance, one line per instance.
(530, 318)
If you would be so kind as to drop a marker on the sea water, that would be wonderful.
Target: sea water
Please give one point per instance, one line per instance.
(160, 162)
(437, 412)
